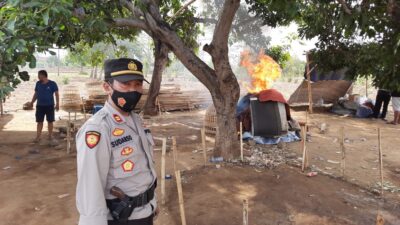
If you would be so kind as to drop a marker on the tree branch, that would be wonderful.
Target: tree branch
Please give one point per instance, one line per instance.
(345, 7)
(134, 23)
(181, 10)
(129, 5)
(205, 20)
(192, 62)
(2, 3)
(223, 27)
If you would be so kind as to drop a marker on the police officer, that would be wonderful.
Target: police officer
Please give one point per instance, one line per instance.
(115, 152)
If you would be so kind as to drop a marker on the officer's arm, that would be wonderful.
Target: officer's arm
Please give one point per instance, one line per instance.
(93, 161)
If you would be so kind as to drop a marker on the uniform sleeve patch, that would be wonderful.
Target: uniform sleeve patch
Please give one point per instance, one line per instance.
(92, 138)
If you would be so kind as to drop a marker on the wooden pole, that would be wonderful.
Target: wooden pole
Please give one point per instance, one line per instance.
(379, 219)
(174, 152)
(366, 87)
(1, 106)
(245, 212)
(75, 117)
(306, 117)
(164, 150)
(69, 133)
(343, 164)
(180, 196)
(203, 143)
(159, 106)
(241, 141)
(84, 109)
(304, 134)
(380, 159)
(310, 101)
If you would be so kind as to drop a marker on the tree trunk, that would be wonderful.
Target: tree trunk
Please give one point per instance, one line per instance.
(95, 72)
(91, 72)
(101, 75)
(226, 140)
(160, 63)
(220, 81)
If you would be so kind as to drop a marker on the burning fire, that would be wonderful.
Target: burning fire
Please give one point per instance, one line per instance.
(263, 72)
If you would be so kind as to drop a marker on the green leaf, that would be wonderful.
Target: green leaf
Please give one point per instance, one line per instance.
(11, 25)
(32, 64)
(46, 17)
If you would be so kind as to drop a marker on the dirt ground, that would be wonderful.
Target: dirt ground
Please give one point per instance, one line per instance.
(37, 182)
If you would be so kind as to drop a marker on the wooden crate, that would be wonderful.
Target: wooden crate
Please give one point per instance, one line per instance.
(210, 121)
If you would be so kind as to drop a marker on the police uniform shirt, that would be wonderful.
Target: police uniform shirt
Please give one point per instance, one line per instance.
(112, 150)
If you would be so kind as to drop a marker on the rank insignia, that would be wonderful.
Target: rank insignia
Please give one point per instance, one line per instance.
(132, 66)
(126, 151)
(118, 132)
(92, 138)
(121, 102)
(117, 118)
(127, 166)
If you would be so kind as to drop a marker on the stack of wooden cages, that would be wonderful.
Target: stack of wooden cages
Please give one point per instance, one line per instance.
(96, 94)
(210, 121)
(71, 99)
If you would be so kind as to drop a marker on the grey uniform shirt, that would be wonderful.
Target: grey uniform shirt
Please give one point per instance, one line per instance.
(112, 150)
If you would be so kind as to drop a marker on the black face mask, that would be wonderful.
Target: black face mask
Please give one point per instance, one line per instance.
(126, 101)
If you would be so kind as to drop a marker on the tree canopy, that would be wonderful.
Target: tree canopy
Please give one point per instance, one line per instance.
(363, 36)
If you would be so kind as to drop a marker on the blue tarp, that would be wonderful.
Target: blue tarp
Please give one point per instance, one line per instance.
(243, 104)
(289, 137)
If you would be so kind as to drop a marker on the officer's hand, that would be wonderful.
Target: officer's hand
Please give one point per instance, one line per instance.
(57, 107)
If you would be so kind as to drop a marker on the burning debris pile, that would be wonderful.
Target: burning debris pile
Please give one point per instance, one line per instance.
(263, 71)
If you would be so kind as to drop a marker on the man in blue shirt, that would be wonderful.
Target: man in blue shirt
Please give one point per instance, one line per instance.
(44, 91)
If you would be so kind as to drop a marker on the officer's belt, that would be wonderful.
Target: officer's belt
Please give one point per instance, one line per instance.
(138, 200)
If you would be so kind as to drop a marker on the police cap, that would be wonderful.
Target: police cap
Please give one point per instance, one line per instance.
(123, 70)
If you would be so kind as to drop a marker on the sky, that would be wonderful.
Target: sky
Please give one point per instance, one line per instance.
(298, 47)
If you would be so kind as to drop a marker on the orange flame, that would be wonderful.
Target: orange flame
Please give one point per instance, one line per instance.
(262, 74)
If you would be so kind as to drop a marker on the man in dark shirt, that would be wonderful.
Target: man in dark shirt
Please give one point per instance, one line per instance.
(44, 91)
(382, 98)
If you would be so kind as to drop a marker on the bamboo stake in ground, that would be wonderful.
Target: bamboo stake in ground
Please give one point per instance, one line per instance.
(245, 212)
(380, 159)
(306, 117)
(304, 140)
(180, 196)
(164, 150)
(1, 107)
(203, 143)
(380, 220)
(174, 152)
(84, 109)
(310, 101)
(69, 133)
(241, 140)
(343, 164)
(159, 106)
